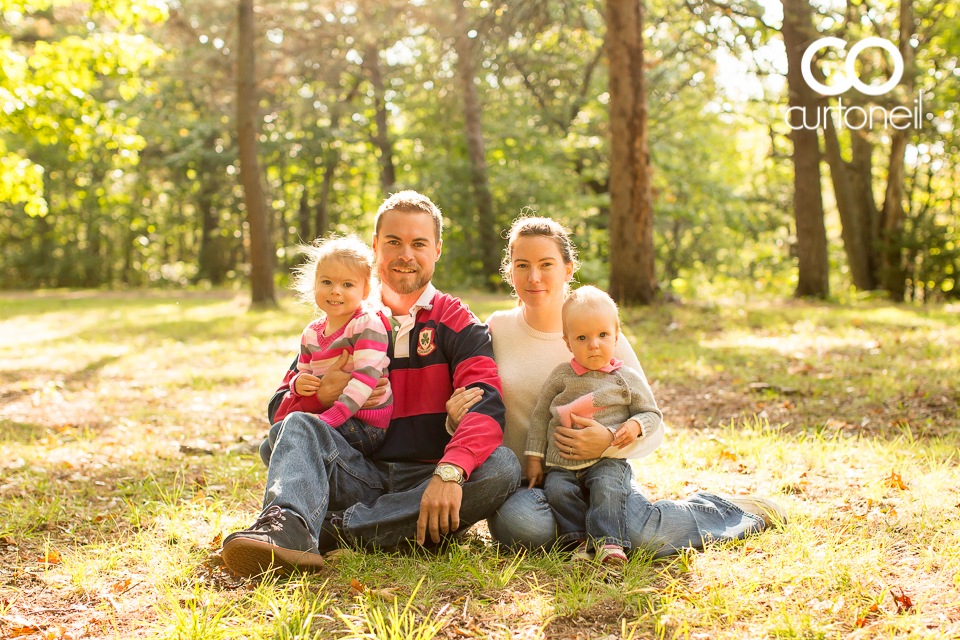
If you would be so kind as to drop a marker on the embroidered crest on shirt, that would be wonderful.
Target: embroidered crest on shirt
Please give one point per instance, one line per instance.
(425, 343)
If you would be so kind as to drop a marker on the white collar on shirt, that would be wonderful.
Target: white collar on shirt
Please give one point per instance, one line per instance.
(423, 302)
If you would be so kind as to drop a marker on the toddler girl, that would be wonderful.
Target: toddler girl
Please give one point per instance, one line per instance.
(589, 497)
(336, 278)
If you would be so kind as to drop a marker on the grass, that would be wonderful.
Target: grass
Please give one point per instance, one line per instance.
(128, 426)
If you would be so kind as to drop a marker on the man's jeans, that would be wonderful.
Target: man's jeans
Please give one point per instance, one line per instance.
(661, 528)
(313, 469)
(591, 503)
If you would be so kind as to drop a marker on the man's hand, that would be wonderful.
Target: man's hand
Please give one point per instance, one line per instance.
(534, 471)
(439, 509)
(306, 384)
(626, 434)
(377, 394)
(334, 381)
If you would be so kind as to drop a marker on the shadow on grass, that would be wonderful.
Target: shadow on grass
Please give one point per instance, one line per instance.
(20, 432)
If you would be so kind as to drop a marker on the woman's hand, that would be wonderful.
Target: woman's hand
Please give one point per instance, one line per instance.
(534, 471)
(586, 442)
(460, 402)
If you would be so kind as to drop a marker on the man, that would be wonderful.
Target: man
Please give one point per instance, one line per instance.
(423, 481)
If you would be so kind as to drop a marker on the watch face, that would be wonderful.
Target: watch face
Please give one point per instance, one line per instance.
(448, 474)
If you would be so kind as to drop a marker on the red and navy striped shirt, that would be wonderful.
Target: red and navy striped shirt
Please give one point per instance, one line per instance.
(448, 347)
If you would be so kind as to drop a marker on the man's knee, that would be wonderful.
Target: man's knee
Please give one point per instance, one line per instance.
(304, 428)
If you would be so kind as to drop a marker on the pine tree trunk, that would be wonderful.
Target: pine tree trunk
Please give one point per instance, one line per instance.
(632, 270)
(892, 215)
(261, 258)
(852, 211)
(814, 266)
(388, 172)
(473, 130)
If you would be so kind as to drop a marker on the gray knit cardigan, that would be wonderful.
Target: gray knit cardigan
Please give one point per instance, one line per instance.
(609, 398)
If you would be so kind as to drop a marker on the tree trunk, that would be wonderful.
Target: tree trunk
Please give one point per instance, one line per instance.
(632, 271)
(322, 215)
(388, 173)
(814, 266)
(854, 212)
(210, 259)
(892, 215)
(303, 214)
(473, 130)
(261, 260)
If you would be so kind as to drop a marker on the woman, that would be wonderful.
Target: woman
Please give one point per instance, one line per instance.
(528, 345)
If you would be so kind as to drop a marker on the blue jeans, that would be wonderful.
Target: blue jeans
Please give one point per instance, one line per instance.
(661, 528)
(312, 468)
(591, 503)
(365, 438)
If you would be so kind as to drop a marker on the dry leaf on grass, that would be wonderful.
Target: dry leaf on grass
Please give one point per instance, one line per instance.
(862, 619)
(388, 594)
(895, 481)
(16, 627)
(51, 557)
(121, 585)
(904, 603)
(54, 632)
(340, 554)
(728, 455)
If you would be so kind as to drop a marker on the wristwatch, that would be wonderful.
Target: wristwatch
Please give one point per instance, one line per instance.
(449, 473)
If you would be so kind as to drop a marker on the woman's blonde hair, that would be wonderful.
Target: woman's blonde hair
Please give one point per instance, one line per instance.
(349, 250)
(539, 226)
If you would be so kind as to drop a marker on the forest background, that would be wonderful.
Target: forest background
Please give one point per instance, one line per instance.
(121, 164)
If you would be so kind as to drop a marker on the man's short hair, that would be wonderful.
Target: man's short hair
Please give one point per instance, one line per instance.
(410, 202)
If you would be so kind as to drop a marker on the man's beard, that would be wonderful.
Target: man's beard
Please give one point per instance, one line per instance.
(403, 285)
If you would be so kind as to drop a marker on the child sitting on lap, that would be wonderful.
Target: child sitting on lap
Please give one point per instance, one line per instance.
(336, 277)
(589, 497)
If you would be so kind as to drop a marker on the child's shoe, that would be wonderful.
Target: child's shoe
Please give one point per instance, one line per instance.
(582, 553)
(611, 555)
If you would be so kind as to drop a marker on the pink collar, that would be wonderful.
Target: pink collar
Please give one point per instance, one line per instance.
(611, 366)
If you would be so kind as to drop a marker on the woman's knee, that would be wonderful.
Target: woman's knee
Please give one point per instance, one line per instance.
(524, 520)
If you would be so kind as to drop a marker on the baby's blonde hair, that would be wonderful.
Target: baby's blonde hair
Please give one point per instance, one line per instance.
(349, 250)
(589, 297)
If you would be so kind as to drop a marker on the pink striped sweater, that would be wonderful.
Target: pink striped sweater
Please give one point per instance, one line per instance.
(365, 337)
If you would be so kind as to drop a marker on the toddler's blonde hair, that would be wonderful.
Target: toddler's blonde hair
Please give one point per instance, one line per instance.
(588, 297)
(349, 250)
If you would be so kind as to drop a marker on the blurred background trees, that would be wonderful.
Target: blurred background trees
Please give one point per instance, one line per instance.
(120, 140)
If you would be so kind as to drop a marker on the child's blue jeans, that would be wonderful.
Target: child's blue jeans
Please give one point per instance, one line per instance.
(591, 503)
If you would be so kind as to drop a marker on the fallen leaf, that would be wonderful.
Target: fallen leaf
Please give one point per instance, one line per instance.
(217, 541)
(904, 603)
(728, 455)
(895, 481)
(53, 633)
(357, 586)
(51, 557)
(18, 627)
(339, 554)
(388, 594)
(120, 586)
